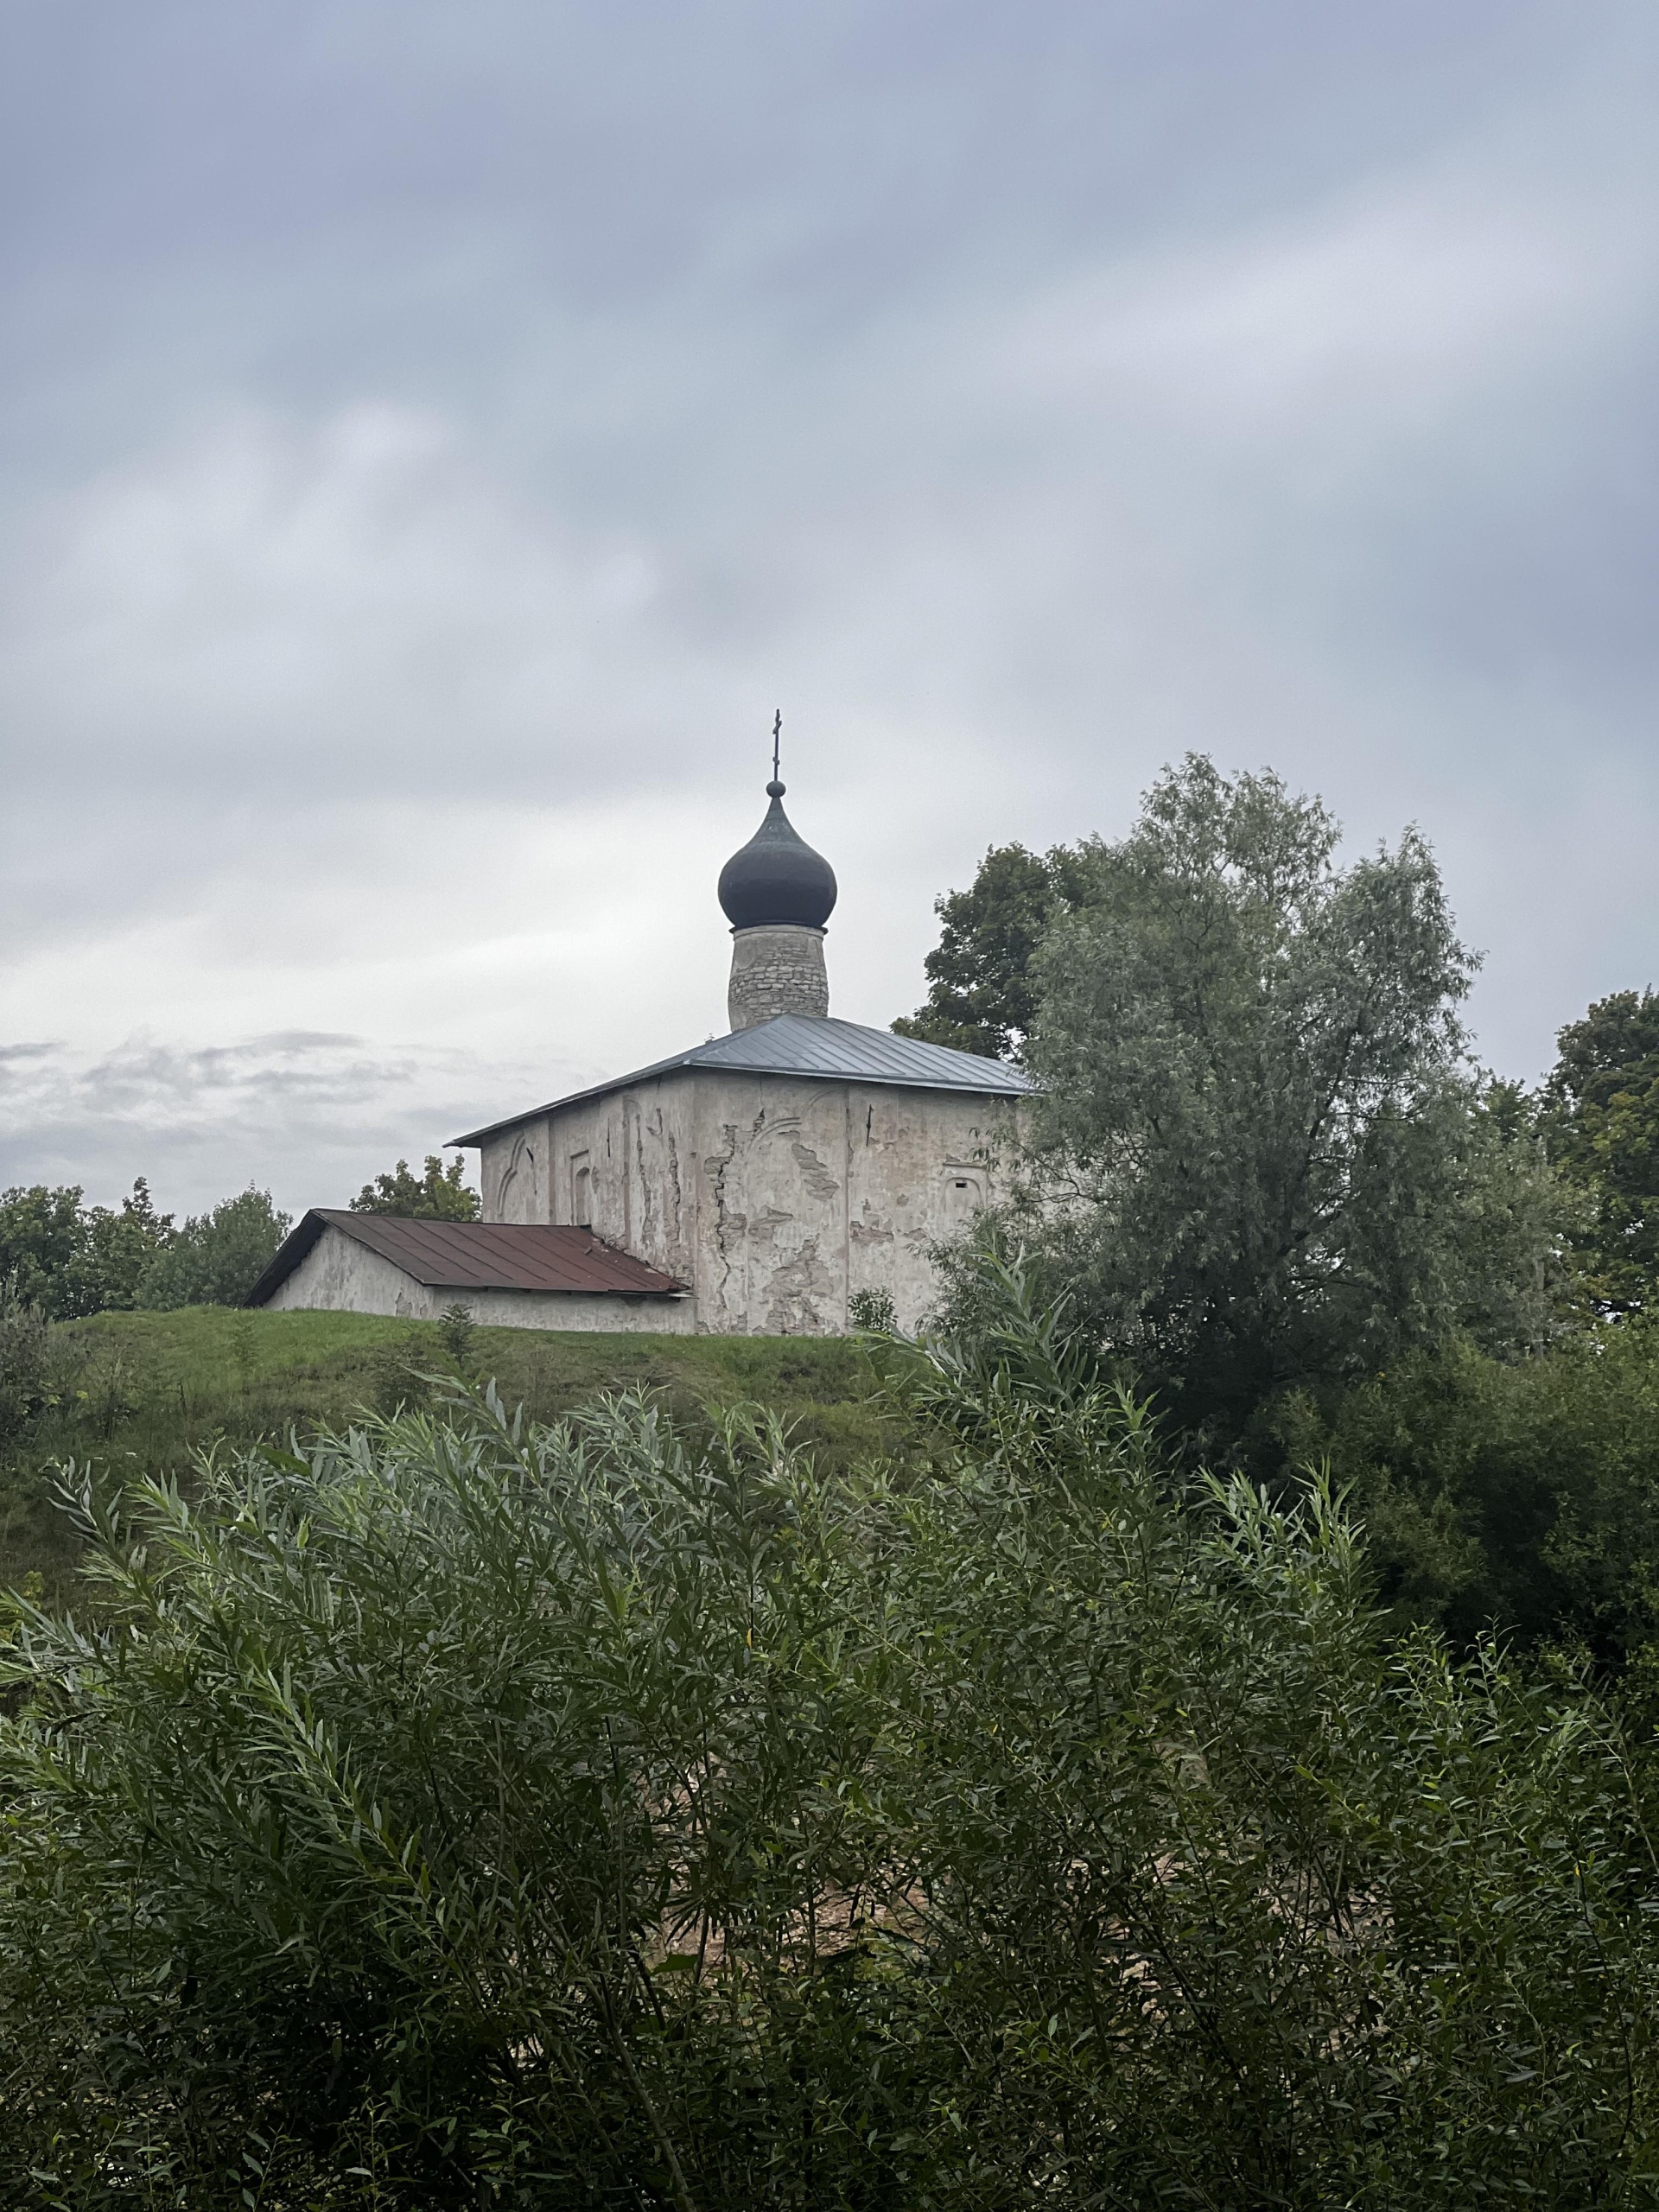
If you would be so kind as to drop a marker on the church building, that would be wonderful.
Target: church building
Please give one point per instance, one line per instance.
(751, 1185)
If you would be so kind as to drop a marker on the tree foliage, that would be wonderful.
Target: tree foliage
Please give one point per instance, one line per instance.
(1601, 1114)
(68, 1259)
(1520, 1495)
(982, 995)
(1261, 1157)
(615, 1814)
(217, 1257)
(438, 1194)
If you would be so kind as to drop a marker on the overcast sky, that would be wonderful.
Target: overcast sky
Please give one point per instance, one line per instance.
(436, 437)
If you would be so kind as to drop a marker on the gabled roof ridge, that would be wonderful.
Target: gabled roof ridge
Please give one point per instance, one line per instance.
(820, 1046)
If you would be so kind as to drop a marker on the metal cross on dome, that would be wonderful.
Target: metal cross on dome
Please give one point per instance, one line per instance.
(777, 740)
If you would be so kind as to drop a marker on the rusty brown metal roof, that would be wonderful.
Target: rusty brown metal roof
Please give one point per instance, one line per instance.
(479, 1255)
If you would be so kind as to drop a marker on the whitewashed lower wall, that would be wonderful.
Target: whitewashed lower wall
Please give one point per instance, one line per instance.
(775, 1197)
(339, 1275)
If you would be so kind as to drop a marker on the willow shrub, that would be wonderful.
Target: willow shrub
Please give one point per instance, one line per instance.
(595, 1815)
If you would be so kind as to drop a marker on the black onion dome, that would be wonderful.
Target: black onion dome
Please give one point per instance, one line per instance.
(777, 879)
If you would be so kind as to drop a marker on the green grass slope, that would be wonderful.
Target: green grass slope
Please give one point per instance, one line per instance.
(142, 1394)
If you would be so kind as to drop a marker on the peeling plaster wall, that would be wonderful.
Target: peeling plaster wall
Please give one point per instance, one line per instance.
(339, 1275)
(775, 1197)
(515, 1174)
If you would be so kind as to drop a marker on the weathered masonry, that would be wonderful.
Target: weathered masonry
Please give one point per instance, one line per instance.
(752, 1185)
(776, 1170)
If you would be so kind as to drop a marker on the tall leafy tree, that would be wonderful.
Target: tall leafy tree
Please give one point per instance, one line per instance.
(1601, 1116)
(438, 1193)
(69, 1259)
(218, 1256)
(1261, 1155)
(982, 995)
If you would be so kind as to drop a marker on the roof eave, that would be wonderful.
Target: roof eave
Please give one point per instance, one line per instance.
(689, 1066)
(299, 1241)
(544, 1289)
(431, 1274)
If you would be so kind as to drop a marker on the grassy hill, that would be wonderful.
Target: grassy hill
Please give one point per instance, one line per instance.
(142, 1393)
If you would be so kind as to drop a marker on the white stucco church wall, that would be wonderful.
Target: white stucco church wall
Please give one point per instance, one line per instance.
(775, 1197)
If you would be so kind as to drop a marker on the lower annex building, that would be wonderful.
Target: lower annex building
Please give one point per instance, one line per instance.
(750, 1186)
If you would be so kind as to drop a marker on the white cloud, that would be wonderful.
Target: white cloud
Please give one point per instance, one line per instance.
(1382, 308)
(268, 603)
(312, 1116)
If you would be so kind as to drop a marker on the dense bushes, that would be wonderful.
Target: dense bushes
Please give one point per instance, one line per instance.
(607, 1815)
(146, 1393)
(1522, 1496)
(31, 1365)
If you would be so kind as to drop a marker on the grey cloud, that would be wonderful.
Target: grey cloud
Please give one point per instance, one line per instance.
(313, 1116)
